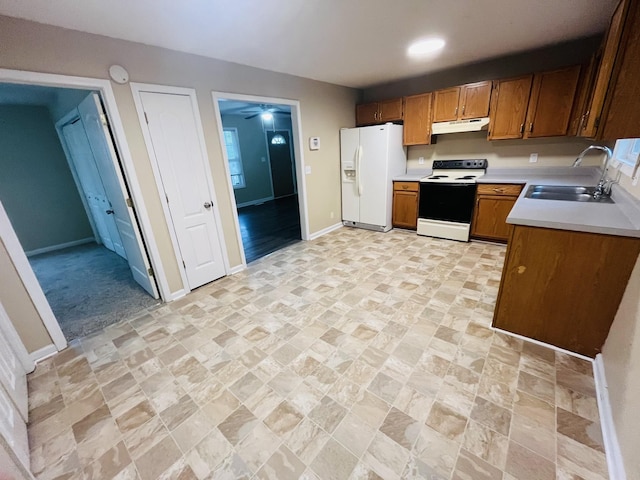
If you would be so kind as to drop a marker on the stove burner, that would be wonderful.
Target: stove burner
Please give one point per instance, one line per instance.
(435, 177)
(467, 177)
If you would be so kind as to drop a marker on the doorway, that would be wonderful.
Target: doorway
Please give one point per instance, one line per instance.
(67, 203)
(260, 153)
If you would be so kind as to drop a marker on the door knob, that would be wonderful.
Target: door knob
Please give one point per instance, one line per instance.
(207, 205)
(110, 212)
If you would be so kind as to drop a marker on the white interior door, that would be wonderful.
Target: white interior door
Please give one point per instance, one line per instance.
(174, 135)
(13, 390)
(99, 137)
(85, 166)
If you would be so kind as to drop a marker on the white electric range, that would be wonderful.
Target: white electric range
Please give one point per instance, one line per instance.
(447, 198)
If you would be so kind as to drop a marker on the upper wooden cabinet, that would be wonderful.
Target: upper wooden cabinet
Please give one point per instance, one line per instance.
(551, 103)
(445, 104)
(379, 112)
(533, 106)
(621, 113)
(417, 119)
(474, 100)
(459, 103)
(612, 49)
(509, 102)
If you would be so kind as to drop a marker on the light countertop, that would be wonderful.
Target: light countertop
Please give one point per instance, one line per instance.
(619, 218)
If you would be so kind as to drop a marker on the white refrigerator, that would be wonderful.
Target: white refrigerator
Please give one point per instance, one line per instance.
(370, 158)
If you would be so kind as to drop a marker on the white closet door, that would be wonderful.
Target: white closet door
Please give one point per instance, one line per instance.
(104, 153)
(85, 166)
(178, 152)
(13, 390)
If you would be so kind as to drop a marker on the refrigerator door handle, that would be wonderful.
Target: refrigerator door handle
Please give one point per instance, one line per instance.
(358, 170)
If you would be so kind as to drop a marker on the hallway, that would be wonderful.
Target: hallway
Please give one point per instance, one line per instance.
(269, 227)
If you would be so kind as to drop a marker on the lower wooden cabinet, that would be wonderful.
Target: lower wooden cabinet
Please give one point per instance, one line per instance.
(405, 205)
(562, 287)
(493, 204)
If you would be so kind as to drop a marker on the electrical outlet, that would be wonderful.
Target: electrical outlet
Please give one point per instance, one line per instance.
(307, 169)
(421, 160)
(533, 158)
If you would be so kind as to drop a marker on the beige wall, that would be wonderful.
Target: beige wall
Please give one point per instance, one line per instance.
(17, 303)
(500, 154)
(36, 186)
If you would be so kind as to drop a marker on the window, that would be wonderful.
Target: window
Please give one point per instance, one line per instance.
(626, 151)
(278, 140)
(235, 160)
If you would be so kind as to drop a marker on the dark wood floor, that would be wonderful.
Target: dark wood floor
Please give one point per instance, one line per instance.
(269, 227)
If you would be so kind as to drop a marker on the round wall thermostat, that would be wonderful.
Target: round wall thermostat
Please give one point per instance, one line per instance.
(118, 74)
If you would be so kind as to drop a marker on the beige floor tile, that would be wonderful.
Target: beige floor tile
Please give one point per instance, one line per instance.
(355, 356)
(334, 462)
(158, 459)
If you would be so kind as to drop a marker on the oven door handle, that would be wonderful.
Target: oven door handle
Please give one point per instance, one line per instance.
(358, 163)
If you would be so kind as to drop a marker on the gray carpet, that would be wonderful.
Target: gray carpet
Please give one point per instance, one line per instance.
(88, 288)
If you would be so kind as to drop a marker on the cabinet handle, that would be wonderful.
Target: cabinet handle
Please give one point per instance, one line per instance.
(456, 114)
(375, 115)
(463, 107)
(522, 128)
(498, 190)
(531, 127)
(404, 187)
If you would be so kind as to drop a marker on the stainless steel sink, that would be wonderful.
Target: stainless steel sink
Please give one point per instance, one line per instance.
(567, 193)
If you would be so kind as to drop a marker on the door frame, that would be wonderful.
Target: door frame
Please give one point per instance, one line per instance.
(296, 138)
(16, 252)
(136, 90)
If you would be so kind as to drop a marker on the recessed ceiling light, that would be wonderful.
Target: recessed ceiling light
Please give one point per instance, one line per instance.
(426, 47)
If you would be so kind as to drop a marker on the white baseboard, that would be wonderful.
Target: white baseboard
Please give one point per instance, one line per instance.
(254, 202)
(60, 246)
(324, 231)
(610, 439)
(237, 268)
(43, 353)
(177, 295)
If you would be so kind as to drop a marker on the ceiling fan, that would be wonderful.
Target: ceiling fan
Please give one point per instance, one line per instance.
(265, 110)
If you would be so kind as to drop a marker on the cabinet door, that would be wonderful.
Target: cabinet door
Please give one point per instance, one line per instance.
(474, 100)
(405, 209)
(552, 97)
(609, 54)
(417, 119)
(367, 114)
(583, 92)
(509, 103)
(445, 104)
(390, 110)
(621, 116)
(490, 217)
(562, 287)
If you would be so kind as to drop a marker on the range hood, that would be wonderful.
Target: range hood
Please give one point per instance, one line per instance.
(458, 126)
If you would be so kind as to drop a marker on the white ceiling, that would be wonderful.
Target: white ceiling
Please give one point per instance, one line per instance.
(357, 43)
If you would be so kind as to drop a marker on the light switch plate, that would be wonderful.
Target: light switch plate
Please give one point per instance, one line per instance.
(307, 169)
(533, 158)
(314, 143)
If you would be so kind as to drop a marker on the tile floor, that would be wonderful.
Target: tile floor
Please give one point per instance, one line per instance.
(356, 356)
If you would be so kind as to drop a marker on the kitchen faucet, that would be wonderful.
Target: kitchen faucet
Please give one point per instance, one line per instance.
(604, 187)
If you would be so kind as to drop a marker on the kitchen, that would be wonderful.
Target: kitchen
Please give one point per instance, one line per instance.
(323, 167)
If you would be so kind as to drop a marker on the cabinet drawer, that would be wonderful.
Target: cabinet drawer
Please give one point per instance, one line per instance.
(406, 186)
(499, 189)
